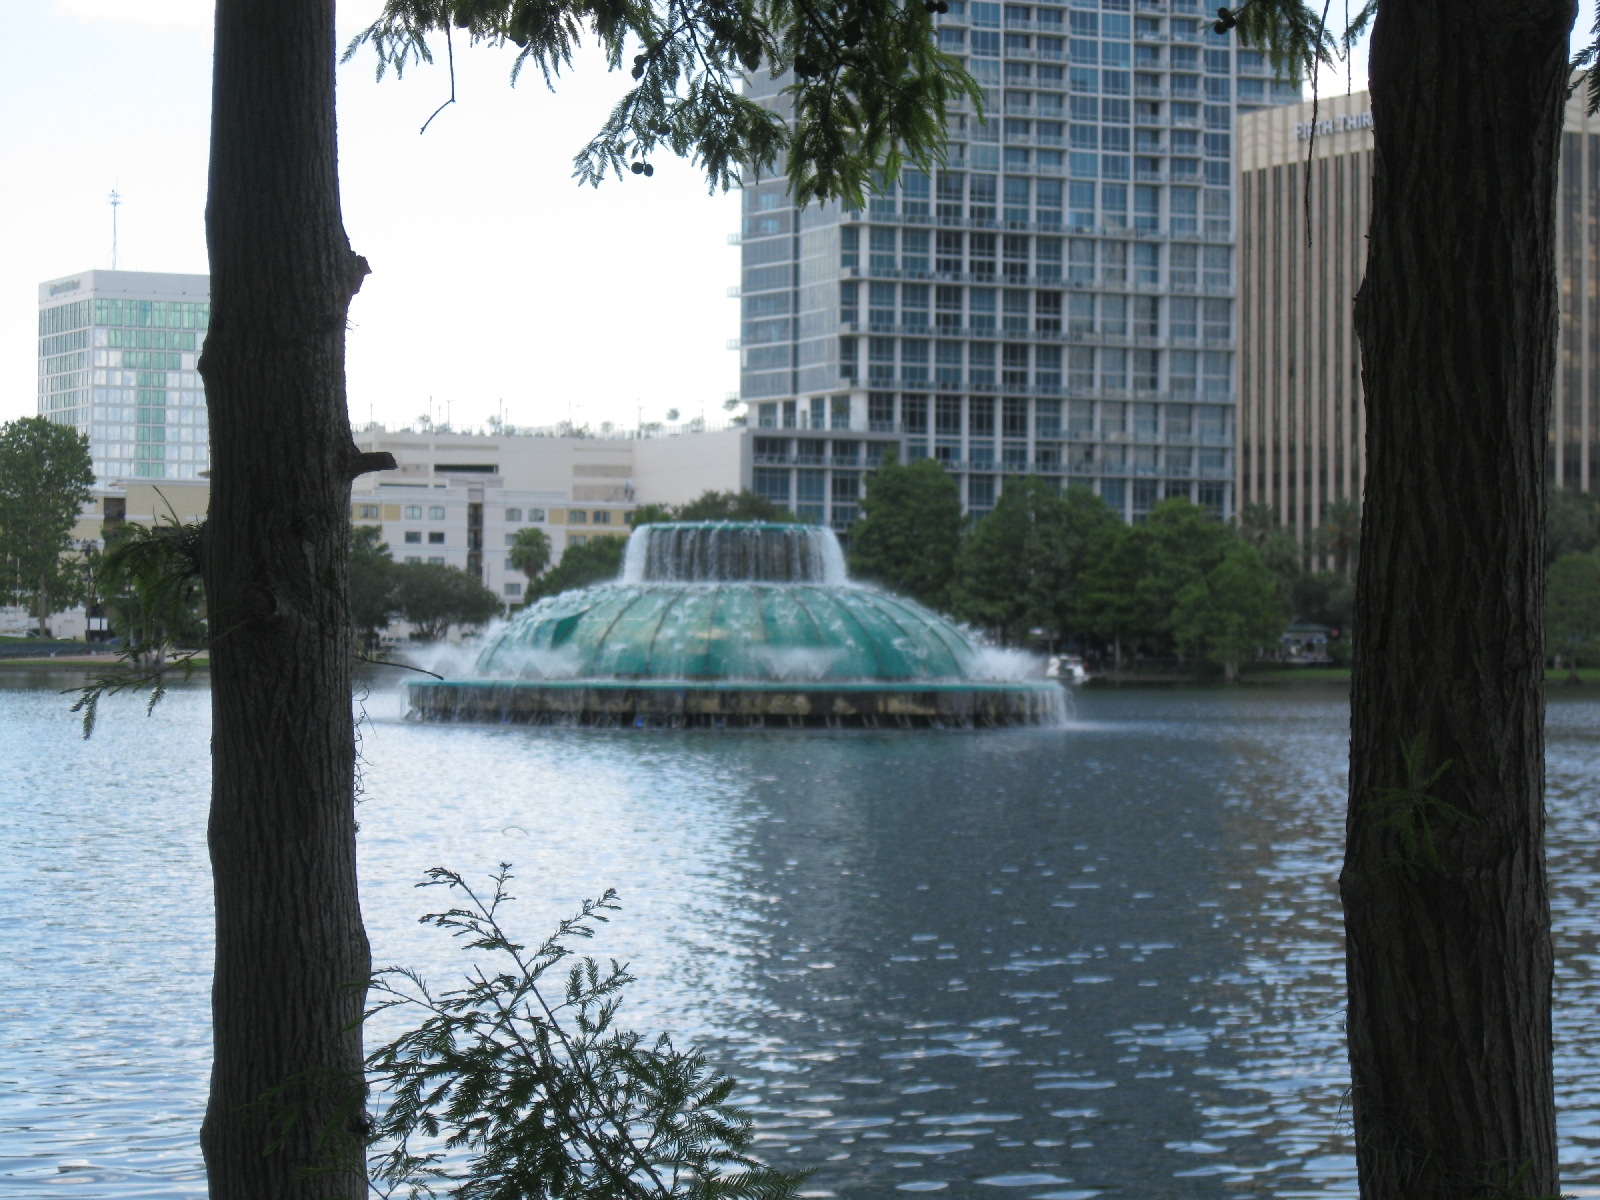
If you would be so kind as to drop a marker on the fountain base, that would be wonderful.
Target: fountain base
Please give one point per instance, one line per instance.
(736, 704)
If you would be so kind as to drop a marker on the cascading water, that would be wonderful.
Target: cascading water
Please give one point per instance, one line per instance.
(733, 552)
(738, 624)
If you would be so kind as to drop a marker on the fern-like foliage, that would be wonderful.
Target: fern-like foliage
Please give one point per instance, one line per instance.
(868, 88)
(150, 577)
(1585, 66)
(1293, 35)
(523, 1073)
(1408, 812)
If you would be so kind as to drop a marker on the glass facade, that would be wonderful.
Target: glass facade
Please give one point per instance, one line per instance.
(1058, 299)
(123, 372)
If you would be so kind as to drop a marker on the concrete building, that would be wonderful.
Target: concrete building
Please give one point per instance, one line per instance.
(1301, 420)
(117, 354)
(1058, 299)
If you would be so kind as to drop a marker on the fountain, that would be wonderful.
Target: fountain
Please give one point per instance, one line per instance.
(738, 624)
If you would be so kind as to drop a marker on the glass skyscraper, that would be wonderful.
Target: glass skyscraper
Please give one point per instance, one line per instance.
(1058, 299)
(117, 353)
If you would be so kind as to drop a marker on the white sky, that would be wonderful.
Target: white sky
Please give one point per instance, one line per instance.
(495, 277)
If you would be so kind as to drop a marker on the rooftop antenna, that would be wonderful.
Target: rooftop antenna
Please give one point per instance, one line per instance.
(116, 200)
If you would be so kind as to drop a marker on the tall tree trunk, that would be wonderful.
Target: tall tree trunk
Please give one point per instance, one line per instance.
(1449, 968)
(43, 603)
(291, 951)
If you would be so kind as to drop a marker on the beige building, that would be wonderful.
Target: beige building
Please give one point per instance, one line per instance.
(1301, 426)
(459, 499)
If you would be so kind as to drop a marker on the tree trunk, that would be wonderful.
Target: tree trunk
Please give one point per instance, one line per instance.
(1449, 968)
(291, 953)
(43, 603)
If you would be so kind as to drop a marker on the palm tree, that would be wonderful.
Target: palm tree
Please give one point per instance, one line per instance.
(1257, 523)
(1339, 535)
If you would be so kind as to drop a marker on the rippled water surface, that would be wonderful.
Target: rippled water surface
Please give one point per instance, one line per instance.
(1100, 960)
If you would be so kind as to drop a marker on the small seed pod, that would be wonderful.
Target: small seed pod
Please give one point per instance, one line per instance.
(648, 170)
(637, 168)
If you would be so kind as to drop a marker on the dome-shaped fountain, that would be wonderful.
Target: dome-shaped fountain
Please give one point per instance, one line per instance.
(732, 624)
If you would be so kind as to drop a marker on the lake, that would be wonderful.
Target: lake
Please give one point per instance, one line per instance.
(1103, 959)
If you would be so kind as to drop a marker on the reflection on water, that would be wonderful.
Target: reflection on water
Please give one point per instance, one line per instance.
(1040, 963)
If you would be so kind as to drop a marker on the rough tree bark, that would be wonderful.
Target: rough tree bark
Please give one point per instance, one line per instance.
(1450, 969)
(290, 942)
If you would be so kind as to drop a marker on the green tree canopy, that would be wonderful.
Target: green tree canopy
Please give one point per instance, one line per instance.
(374, 584)
(731, 506)
(994, 570)
(1136, 574)
(434, 597)
(530, 552)
(597, 560)
(1572, 607)
(714, 506)
(910, 531)
(45, 477)
(1231, 613)
(1023, 566)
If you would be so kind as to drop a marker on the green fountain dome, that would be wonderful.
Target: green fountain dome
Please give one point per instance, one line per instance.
(738, 622)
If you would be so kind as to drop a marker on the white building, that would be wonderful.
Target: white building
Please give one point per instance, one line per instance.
(1058, 299)
(117, 353)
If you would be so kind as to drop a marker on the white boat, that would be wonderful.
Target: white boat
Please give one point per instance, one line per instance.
(1068, 668)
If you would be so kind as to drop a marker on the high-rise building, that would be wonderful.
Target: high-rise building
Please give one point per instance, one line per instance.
(1302, 429)
(1058, 299)
(117, 354)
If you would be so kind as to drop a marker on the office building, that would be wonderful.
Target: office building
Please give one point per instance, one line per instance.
(1301, 420)
(1057, 299)
(117, 353)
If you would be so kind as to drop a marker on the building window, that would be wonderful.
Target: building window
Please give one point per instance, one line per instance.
(602, 517)
(513, 589)
(436, 562)
(413, 512)
(577, 539)
(577, 517)
(412, 559)
(436, 513)
(536, 514)
(366, 512)
(771, 484)
(809, 495)
(436, 539)
(413, 537)
(980, 492)
(513, 515)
